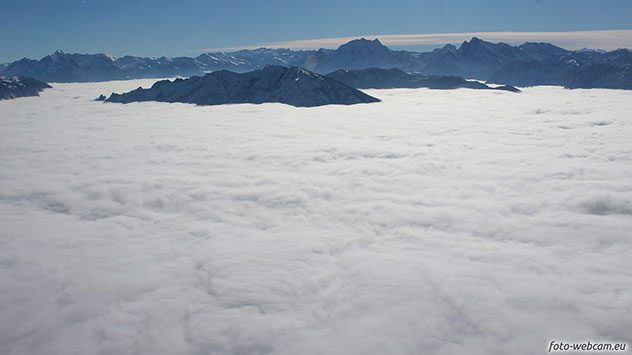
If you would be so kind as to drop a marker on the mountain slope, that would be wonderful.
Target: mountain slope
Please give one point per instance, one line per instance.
(247, 60)
(293, 86)
(578, 69)
(362, 54)
(376, 78)
(12, 87)
(478, 59)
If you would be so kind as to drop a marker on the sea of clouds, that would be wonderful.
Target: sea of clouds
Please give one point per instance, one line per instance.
(434, 222)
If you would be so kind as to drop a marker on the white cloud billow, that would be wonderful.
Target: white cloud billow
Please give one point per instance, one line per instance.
(439, 222)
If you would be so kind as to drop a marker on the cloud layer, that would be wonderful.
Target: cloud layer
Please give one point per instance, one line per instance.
(608, 40)
(464, 221)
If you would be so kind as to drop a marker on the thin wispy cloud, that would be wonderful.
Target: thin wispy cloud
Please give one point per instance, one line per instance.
(609, 40)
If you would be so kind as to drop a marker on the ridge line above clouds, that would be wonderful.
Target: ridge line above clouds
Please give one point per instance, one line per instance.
(603, 39)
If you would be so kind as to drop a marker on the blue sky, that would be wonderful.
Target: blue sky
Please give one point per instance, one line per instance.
(34, 28)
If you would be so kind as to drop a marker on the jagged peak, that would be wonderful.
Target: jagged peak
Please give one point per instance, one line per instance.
(450, 48)
(479, 44)
(56, 55)
(475, 41)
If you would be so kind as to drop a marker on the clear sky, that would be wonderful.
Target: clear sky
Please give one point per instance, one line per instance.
(35, 28)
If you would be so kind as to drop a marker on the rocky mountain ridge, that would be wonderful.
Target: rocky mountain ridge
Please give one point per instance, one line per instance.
(293, 86)
(376, 78)
(528, 64)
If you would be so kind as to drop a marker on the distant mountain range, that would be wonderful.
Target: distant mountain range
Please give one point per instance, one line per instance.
(293, 86)
(525, 65)
(12, 87)
(375, 78)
